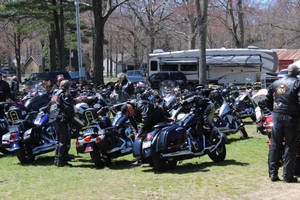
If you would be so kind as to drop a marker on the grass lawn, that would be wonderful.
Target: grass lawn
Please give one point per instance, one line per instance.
(243, 175)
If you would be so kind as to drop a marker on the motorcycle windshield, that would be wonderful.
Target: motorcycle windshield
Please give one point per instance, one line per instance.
(36, 102)
(224, 109)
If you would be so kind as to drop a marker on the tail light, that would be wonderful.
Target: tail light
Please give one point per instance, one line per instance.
(77, 144)
(149, 136)
(13, 137)
(88, 138)
(98, 139)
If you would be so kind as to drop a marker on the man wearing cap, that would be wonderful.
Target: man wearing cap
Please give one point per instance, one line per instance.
(4, 89)
(283, 99)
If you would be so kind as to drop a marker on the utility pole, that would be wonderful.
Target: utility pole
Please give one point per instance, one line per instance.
(81, 72)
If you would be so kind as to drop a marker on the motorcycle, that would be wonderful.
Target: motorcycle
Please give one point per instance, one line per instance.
(107, 142)
(245, 105)
(34, 138)
(182, 139)
(228, 120)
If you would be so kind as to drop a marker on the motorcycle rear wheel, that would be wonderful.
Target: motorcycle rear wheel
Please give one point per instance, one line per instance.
(25, 156)
(219, 154)
(97, 159)
(160, 164)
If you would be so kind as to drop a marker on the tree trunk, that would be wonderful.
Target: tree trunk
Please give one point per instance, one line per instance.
(107, 62)
(99, 41)
(241, 23)
(62, 38)
(110, 57)
(52, 48)
(17, 41)
(201, 9)
(192, 35)
(58, 35)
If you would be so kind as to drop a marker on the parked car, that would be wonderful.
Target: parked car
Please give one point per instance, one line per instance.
(157, 78)
(7, 72)
(134, 73)
(50, 76)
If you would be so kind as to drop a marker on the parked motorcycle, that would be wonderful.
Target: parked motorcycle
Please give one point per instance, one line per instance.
(106, 142)
(185, 138)
(245, 105)
(36, 140)
(228, 120)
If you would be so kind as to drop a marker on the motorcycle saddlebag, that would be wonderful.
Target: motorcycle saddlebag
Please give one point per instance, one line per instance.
(170, 138)
(137, 147)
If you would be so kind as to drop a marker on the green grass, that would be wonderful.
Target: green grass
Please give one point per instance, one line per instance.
(243, 172)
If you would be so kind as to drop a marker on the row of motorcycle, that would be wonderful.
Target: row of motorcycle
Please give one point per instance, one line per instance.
(102, 131)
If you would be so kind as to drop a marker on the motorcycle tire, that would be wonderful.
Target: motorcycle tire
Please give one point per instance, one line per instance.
(219, 154)
(244, 132)
(97, 159)
(159, 164)
(253, 118)
(25, 156)
(4, 151)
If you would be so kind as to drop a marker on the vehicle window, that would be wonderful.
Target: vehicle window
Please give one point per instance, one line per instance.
(153, 65)
(134, 73)
(187, 67)
(177, 76)
(163, 76)
(170, 67)
(152, 77)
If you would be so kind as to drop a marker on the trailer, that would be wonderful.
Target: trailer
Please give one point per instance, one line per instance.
(224, 66)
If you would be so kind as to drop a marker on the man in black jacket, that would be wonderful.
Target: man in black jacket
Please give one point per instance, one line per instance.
(4, 89)
(62, 112)
(283, 99)
(144, 112)
(124, 86)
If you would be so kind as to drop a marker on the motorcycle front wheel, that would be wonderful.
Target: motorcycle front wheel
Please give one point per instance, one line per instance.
(219, 153)
(25, 156)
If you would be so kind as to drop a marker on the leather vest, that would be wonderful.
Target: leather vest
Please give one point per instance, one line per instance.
(285, 97)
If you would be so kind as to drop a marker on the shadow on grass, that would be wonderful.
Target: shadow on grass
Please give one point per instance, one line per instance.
(121, 164)
(231, 140)
(44, 161)
(191, 167)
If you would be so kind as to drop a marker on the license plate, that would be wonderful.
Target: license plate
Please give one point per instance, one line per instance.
(88, 131)
(89, 148)
(146, 144)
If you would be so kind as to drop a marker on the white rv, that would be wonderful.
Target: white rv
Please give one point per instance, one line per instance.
(224, 66)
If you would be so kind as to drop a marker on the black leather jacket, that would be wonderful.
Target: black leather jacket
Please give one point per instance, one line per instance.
(4, 90)
(284, 96)
(146, 113)
(61, 107)
(126, 87)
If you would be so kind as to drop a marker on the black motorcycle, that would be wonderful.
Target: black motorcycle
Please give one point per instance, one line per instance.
(105, 140)
(185, 138)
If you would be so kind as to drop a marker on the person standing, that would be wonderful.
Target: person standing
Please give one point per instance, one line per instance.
(14, 87)
(124, 86)
(4, 89)
(55, 87)
(283, 99)
(62, 112)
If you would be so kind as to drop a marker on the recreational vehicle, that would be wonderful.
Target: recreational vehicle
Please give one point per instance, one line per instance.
(224, 66)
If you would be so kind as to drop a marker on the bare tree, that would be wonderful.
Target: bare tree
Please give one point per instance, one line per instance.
(101, 12)
(151, 15)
